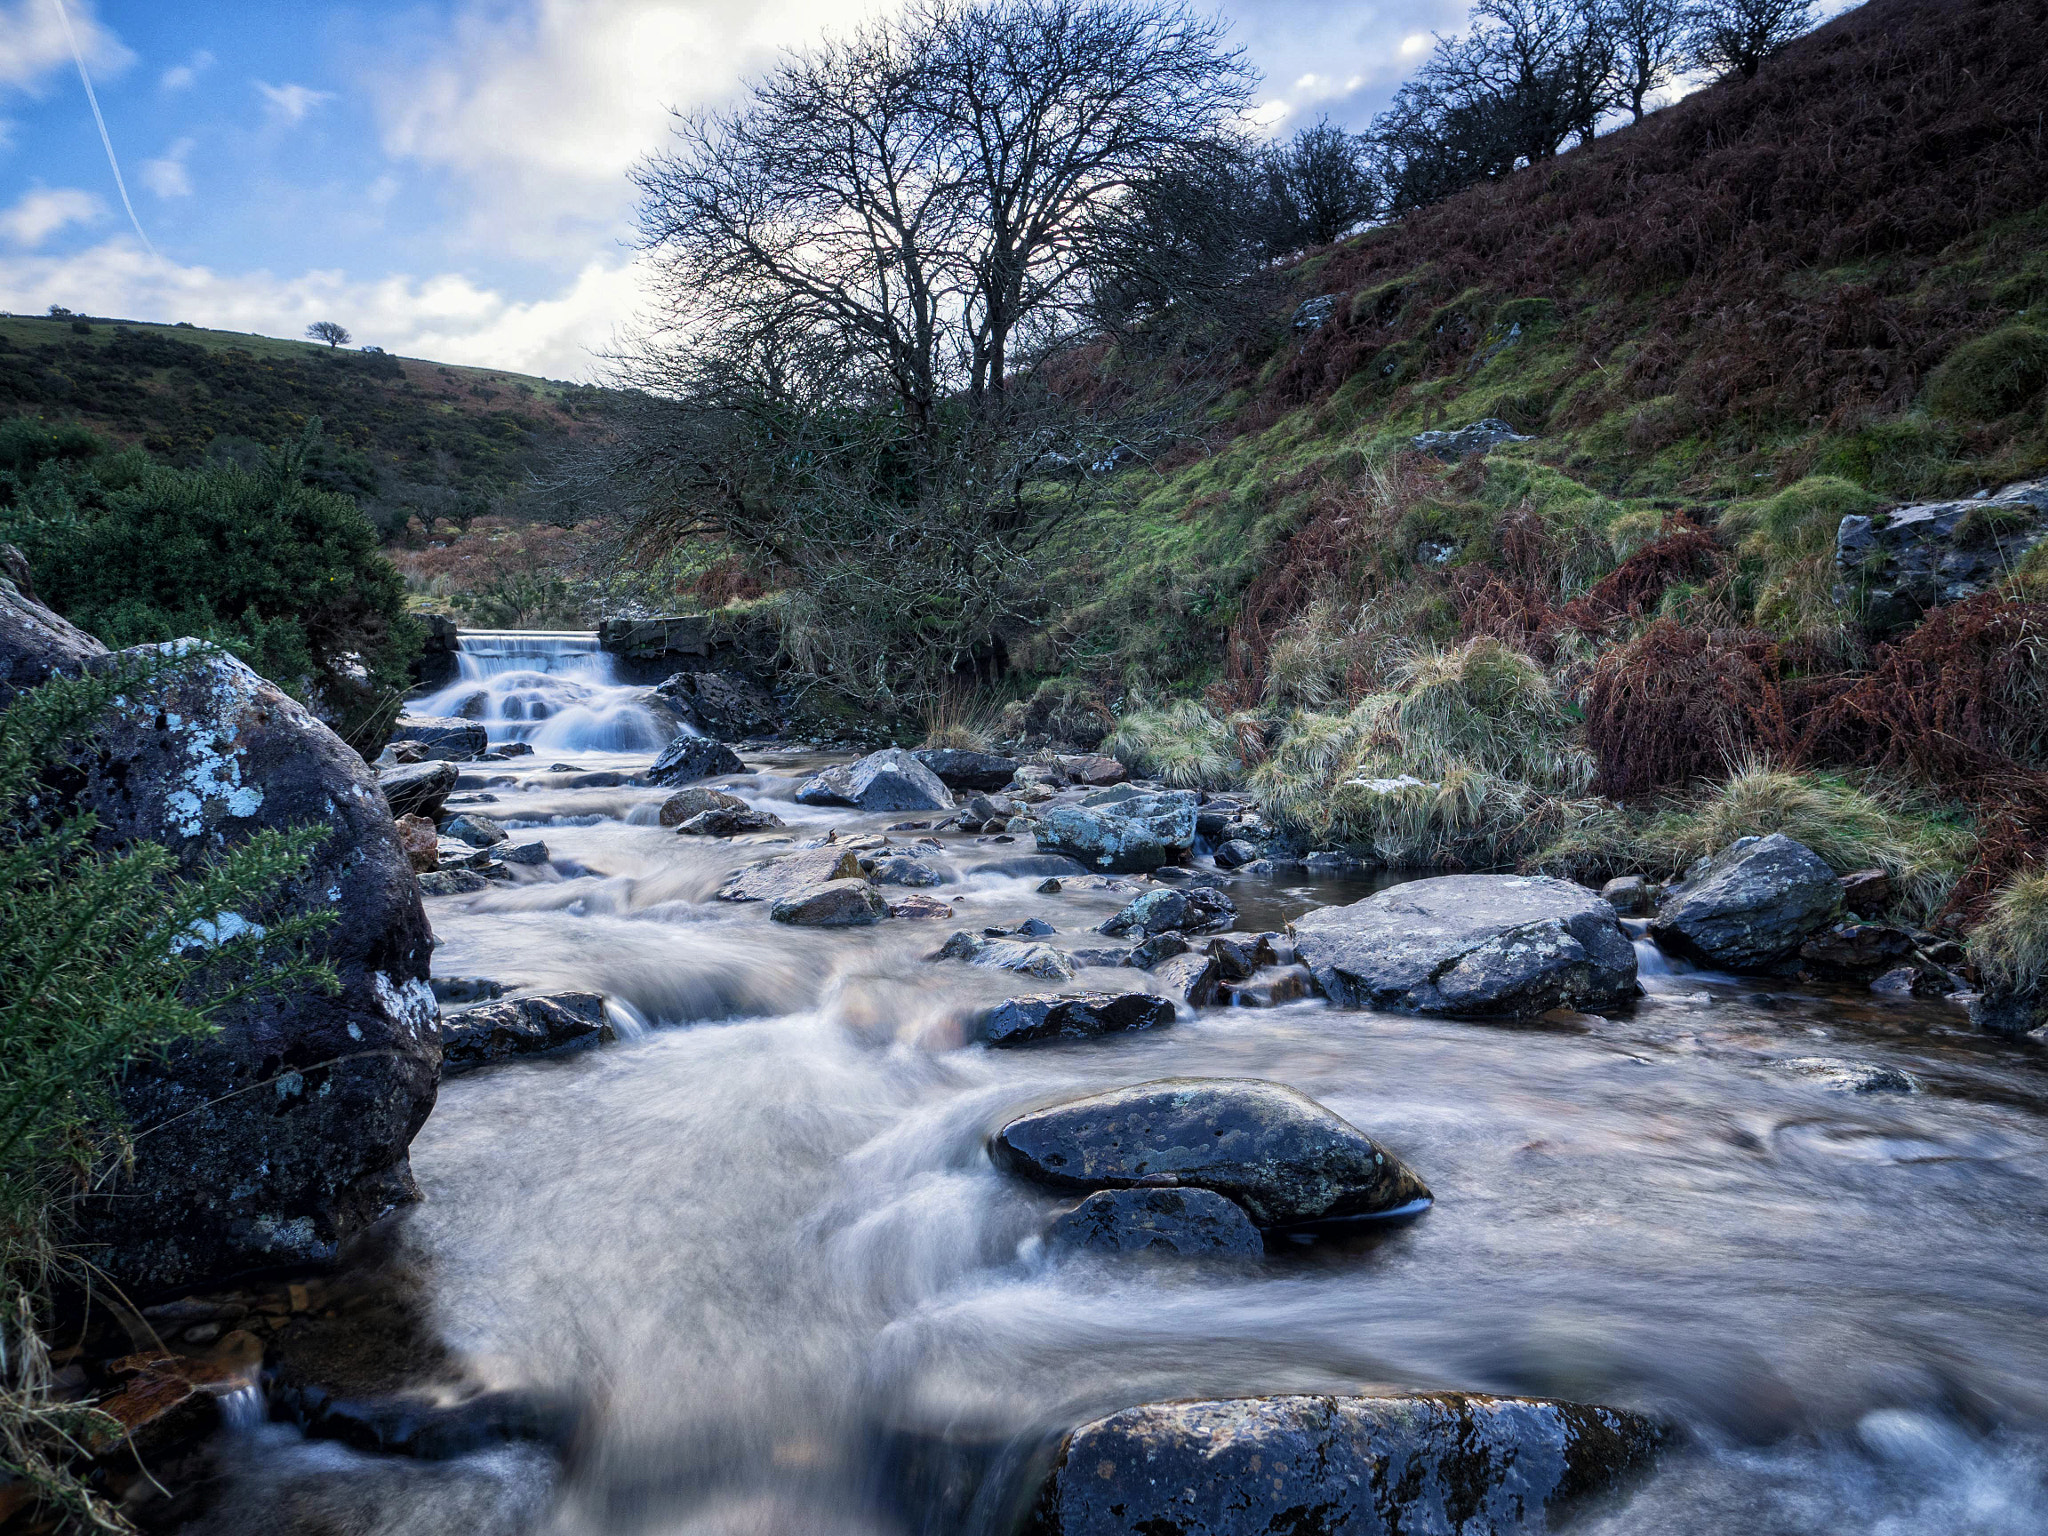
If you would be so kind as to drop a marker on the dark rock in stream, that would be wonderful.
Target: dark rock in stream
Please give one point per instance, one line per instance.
(417, 789)
(1854, 951)
(1183, 911)
(1123, 831)
(1189, 977)
(721, 822)
(446, 737)
(1071, 1016)
(850, 903)
(902, 869)
(1274, 1150)
(522, 1026)
(1193, 1223)
(1446, 1464)
(1477, 945)
(958, 769)
(694, 757)
(725, 705)
(1751, 906)
(475, 829)
(694, 801)
(1030, 959)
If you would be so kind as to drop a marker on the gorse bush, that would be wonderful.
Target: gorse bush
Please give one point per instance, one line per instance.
(106, 955)
(285, 576)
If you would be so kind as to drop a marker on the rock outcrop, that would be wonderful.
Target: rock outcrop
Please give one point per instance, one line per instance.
(724, 705)
(1446, 1463)
(1071, 1016)
(1190, 1223)
(1750, 907)
(522, 1026)
(1487, 433)
(1275, 1151)
(1894, 566)
(694, 757)
(1122, 831)
(1476, 945)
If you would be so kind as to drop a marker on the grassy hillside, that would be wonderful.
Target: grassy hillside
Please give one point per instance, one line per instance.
(405, 437)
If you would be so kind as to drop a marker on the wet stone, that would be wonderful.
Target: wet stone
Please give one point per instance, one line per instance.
(1030, 959)
(1161, 946)
(1190, 977)
(850, 903)
(1752, 907)
(698, 798)
(919, 907)
(524, 853)
(1850, 1076)
(1071, 1016)
(522, 1026)
(694, 757)
(1184, 911)
(959, 769)
(417, 789)
(1268, 989)
(901, 869)
(791, 873)
(721, 821)
(1192, 1223)
(475, 829)
(451, 882)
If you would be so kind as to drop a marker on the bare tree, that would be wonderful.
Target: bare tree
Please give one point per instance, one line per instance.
(1648, 42)
(326, 330)
(1740, 34)
(1318, 188)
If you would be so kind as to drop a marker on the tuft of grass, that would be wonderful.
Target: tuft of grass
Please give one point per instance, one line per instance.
(962, 719)
(1181, 744)
(1992, 376)
(2010, 946)
(1487, 705)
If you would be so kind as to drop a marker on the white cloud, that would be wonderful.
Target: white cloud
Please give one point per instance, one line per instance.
(170, 176)
(291, 103)
(44, 211)
(446, 317)
(1415, 44)
(32, 44)
(181, 77)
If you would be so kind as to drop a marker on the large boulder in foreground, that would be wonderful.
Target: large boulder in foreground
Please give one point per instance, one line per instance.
(1123, 831)
(694, 757)
(1446, 1464)
(1477, 945)
(890, 780)
(273, 1142)
(1752, 907)
(1275, 1151)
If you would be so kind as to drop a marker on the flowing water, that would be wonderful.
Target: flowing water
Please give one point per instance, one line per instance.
(554, 690)
(761, 1236)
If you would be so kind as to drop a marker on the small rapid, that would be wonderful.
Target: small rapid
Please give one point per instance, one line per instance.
(555, 690)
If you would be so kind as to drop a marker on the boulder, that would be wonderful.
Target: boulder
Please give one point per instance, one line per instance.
(1236, 853)
(417, 789)
(1752, 906)
(791, 873)
(1071, 1016)
(1275, 1151)
(1478, 945)
(444, 736)
(919, 907)
(1446, 1464)
(1894, 566)
(694, 801)
(34, 642)
(205, 754)
(1040, 960)
(1487, 433)
(451, 882)
(1124, 833)
(1629, 895)
(890, 780)
(829, 786)
(720, 821)
(723, 705)
(1193, 1223)
(416, 835)
(851, 903)
(522, 1026)
(1855, 951)
(1185, 911)
(694, 757)
(902, 869)
(1161, 946)
(1092, 768)
(1238, 955)
(1867, 892)
(1189, 977)
(475, 829)
(958, 769)
(529, 854)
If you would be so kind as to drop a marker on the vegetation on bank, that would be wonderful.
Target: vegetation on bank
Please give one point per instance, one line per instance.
(107, 955)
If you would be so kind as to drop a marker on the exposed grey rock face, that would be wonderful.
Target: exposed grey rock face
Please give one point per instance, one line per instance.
(522, 1026)
(286, 1133)
(959, 769)
(1756, 902)
(694, 757)
(417, 789)
(1488, 432)
(1314, 314)
(723, 705)
(533, 853)
(698, 798)
(1124, 831)
(791, 873)
(1446, 1464)
(1185, 911)
(1275, 1151)
(35, 643)
(890, 780)
(1071, 1016)
(1040, 960)
(1480, 945)
(444, 736)
(1894, 566)
(1195, 1223)
(849, 903)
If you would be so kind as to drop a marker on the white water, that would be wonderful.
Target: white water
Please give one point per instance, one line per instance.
(552, 689)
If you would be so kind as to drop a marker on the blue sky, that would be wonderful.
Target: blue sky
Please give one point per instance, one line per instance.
(445, 177)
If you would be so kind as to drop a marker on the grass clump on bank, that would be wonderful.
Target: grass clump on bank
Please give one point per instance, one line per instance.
(2010, 946)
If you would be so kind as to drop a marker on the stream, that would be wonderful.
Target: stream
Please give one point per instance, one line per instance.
(760, 1235)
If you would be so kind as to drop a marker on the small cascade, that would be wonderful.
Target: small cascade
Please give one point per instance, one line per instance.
(1650, 960)
(552, 689)
(244, 1409)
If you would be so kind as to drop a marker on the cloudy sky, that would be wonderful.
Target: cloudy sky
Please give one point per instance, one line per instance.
(444, 177)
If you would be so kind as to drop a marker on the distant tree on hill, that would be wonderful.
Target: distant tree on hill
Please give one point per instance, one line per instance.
(1740, 34)
(326, 330)
(1317, 188)
(1649, 40)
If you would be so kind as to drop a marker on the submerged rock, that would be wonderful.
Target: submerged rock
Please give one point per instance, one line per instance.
(1274, 1150)
(417, 789)
(958, 769)
(1123, 832)
(1849, 1076)
(1194, 1223)
(447, 737)
(890, 780)
(1753, 905)
(1478, 945)
(791, 873)
(694, 757)
(847, 903)
(522, 1026)
(1446, 1464)
(1071, 1016)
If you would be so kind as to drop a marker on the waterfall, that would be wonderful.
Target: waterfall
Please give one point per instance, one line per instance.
(553, 689)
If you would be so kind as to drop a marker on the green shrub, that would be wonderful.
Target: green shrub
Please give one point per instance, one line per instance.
(1992, 376)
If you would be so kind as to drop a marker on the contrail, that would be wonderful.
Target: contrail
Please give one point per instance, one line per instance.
(78, 58)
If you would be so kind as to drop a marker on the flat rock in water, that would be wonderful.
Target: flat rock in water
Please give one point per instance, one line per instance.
(417, 789)
(1071, 1016)
(522, 1026)
(791, 873)
(1195, 1223)
(959, 769)
(1447, 1464)
(448, 737)
(1131, 833)
(1040, 960)
(849, 903)
(1478, 945)
(1752, 907)
(1274, 1150)
(694, 757)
